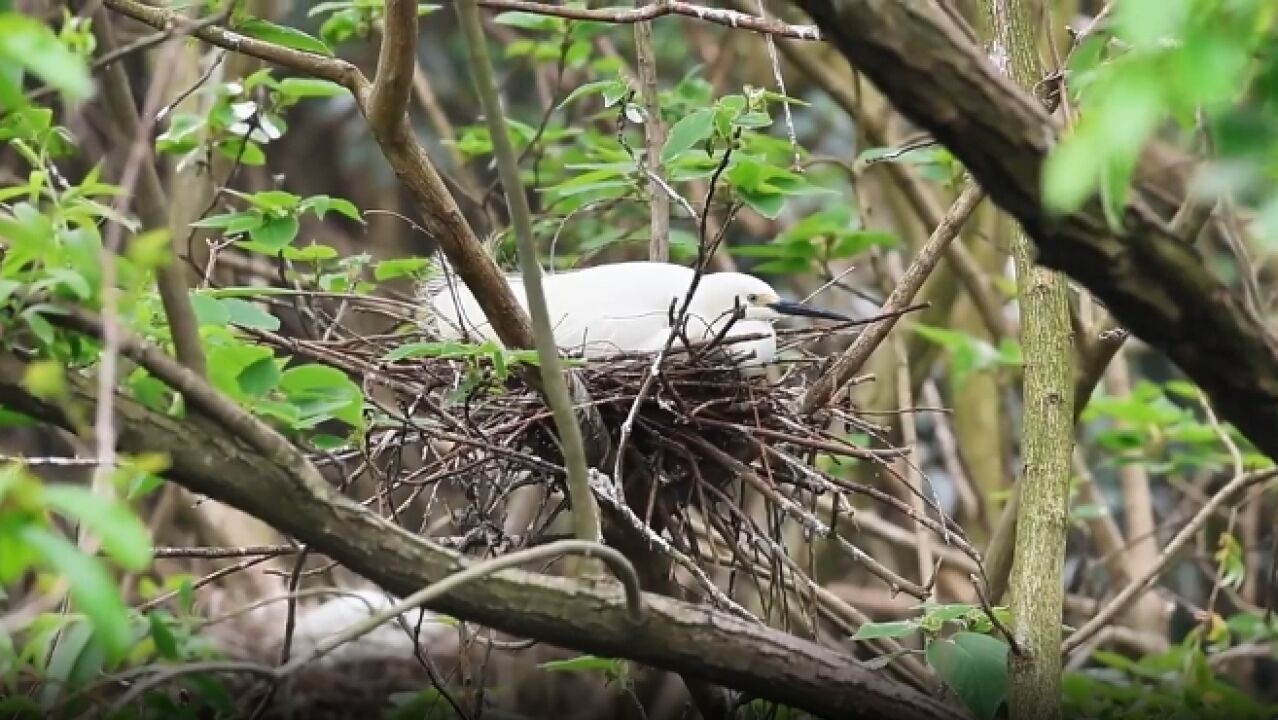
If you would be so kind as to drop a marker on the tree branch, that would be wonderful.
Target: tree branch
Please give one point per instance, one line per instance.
(1156, 285)
(396, 61)
(585, 512)
(658, 8)
(438, 212)
(152, 204)
(286, 491)
(852, 359)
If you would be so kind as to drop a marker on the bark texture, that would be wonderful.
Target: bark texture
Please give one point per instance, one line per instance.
(1154, 283)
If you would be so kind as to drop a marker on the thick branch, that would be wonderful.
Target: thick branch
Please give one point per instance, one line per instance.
(1035, 584)
(1153, 284)
(396, 61)
(590, 617)
(437, 211)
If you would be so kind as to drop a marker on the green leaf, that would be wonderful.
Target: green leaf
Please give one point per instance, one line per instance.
(283, 35)
(529, 21)
(209, 311)
(432, 349)
(590, 88)
(687, 132)
(320, 391)
(276, 233)
(260, 377)
(92, 589)
(124, 537)
(975, 667)
(246, 314)
(585, 663)
(162, 636)
(29, 42)
(232, 223)
(767, 204)
(300, 87)
(753, 120)
(399, 267)
(310, 253)
(876, 631)
(76, 660)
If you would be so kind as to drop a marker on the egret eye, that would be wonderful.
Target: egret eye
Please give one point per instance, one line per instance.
(752, 298)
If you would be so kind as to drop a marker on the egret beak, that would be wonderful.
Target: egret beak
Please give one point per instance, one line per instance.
(789, 307)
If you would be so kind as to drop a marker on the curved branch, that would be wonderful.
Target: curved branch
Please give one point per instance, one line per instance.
(617, 562)
(287, 492)
(396, 61)
(438, 212)
(1151, 281)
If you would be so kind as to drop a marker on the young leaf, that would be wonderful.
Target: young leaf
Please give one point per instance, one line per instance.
(283, 35)
(299, 87)
(260, 377)
(246, 314)
(92, 588)
(687, 132)
(276, 233)
(27, 41)
(975, 667)
(122, 534)
(876, 631)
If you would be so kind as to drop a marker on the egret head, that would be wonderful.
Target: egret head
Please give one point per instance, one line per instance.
(725, 292)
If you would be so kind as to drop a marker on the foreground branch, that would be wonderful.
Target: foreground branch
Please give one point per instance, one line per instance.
(286, 491)
(585, 512)
(1152, 283)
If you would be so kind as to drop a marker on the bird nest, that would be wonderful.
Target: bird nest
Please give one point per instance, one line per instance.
(714, 464)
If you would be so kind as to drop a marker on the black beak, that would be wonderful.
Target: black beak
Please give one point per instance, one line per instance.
(788, 307)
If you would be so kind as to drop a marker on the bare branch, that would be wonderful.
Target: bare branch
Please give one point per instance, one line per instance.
(659, 8)
(852, 359)
(585, 511)
(654, 136)
(396, 62)
(1186, 535)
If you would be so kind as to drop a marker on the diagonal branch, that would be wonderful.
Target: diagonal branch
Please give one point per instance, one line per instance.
(1150, 281)
(284, 489)
(585, 512)
(438, 212)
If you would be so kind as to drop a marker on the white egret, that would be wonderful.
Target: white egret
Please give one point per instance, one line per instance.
(627, 307)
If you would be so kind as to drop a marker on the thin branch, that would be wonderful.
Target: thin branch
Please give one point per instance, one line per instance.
(150, 199)
(777, 75)
(654, 135)
(1146, 579)
(853, 359)
(659, 8)
(585, 510)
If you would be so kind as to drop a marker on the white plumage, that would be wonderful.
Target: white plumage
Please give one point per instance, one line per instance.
(626, 308)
